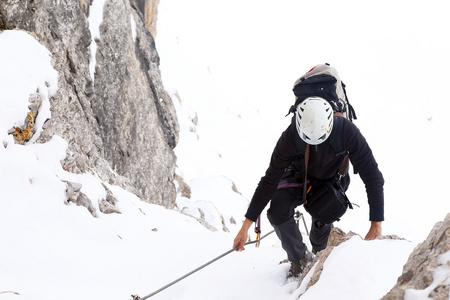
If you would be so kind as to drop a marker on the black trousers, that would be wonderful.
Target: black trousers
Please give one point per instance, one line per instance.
(281, 216)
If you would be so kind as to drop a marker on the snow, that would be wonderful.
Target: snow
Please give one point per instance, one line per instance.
(230, 68)
(133, 27)
(24, 73)
(95, 20)
(354, 255)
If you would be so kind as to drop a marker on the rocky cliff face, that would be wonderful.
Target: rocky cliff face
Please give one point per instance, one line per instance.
(426, 273)
(149, 9)
(120, 123)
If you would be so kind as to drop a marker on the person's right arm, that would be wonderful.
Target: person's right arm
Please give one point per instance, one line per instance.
(283, 154)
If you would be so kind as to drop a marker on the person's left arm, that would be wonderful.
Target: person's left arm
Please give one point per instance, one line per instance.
(365, 164)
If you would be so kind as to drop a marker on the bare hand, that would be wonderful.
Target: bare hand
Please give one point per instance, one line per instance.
(374, 231)
(241, 237)
(240, 240)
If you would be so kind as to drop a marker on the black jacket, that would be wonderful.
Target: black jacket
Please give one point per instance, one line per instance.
(323, 163)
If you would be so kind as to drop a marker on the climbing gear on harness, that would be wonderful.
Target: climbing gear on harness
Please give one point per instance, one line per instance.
(297, 217)
(136, 297)
(258, 231)
(305, 182)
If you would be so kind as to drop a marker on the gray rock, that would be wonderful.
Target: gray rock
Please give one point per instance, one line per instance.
(418, 271)
(121, 124)
(149, 9)
(84, 200)
(108, 205)
(74, 195)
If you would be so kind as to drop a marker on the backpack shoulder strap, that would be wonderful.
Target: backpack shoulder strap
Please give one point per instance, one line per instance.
(336, 135)
(300, 145)
(336, 144)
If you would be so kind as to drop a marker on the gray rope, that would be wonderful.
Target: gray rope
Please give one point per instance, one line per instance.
(136, 297)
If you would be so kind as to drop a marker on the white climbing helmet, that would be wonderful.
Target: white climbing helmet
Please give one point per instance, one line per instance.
(314, 120)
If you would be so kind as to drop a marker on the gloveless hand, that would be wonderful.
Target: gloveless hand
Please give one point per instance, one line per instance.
(241, 237)
(374, 231)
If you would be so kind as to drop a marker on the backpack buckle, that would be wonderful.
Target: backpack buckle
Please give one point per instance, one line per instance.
(291, 110)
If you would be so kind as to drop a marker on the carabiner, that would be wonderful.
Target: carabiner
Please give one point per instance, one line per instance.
(258, 235)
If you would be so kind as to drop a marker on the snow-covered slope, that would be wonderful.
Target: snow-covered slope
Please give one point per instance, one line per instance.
(232, 66)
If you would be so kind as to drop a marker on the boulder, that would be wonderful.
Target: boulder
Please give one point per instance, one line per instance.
(427, 271)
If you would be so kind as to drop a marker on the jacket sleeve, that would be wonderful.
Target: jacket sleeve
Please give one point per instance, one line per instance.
(364, 163)
(283, 154)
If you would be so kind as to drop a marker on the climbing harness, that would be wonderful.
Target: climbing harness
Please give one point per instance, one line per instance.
(136, 297)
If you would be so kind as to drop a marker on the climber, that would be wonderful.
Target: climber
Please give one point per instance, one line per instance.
(285, 185)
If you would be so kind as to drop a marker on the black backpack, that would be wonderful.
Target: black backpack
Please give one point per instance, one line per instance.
(323, 81)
